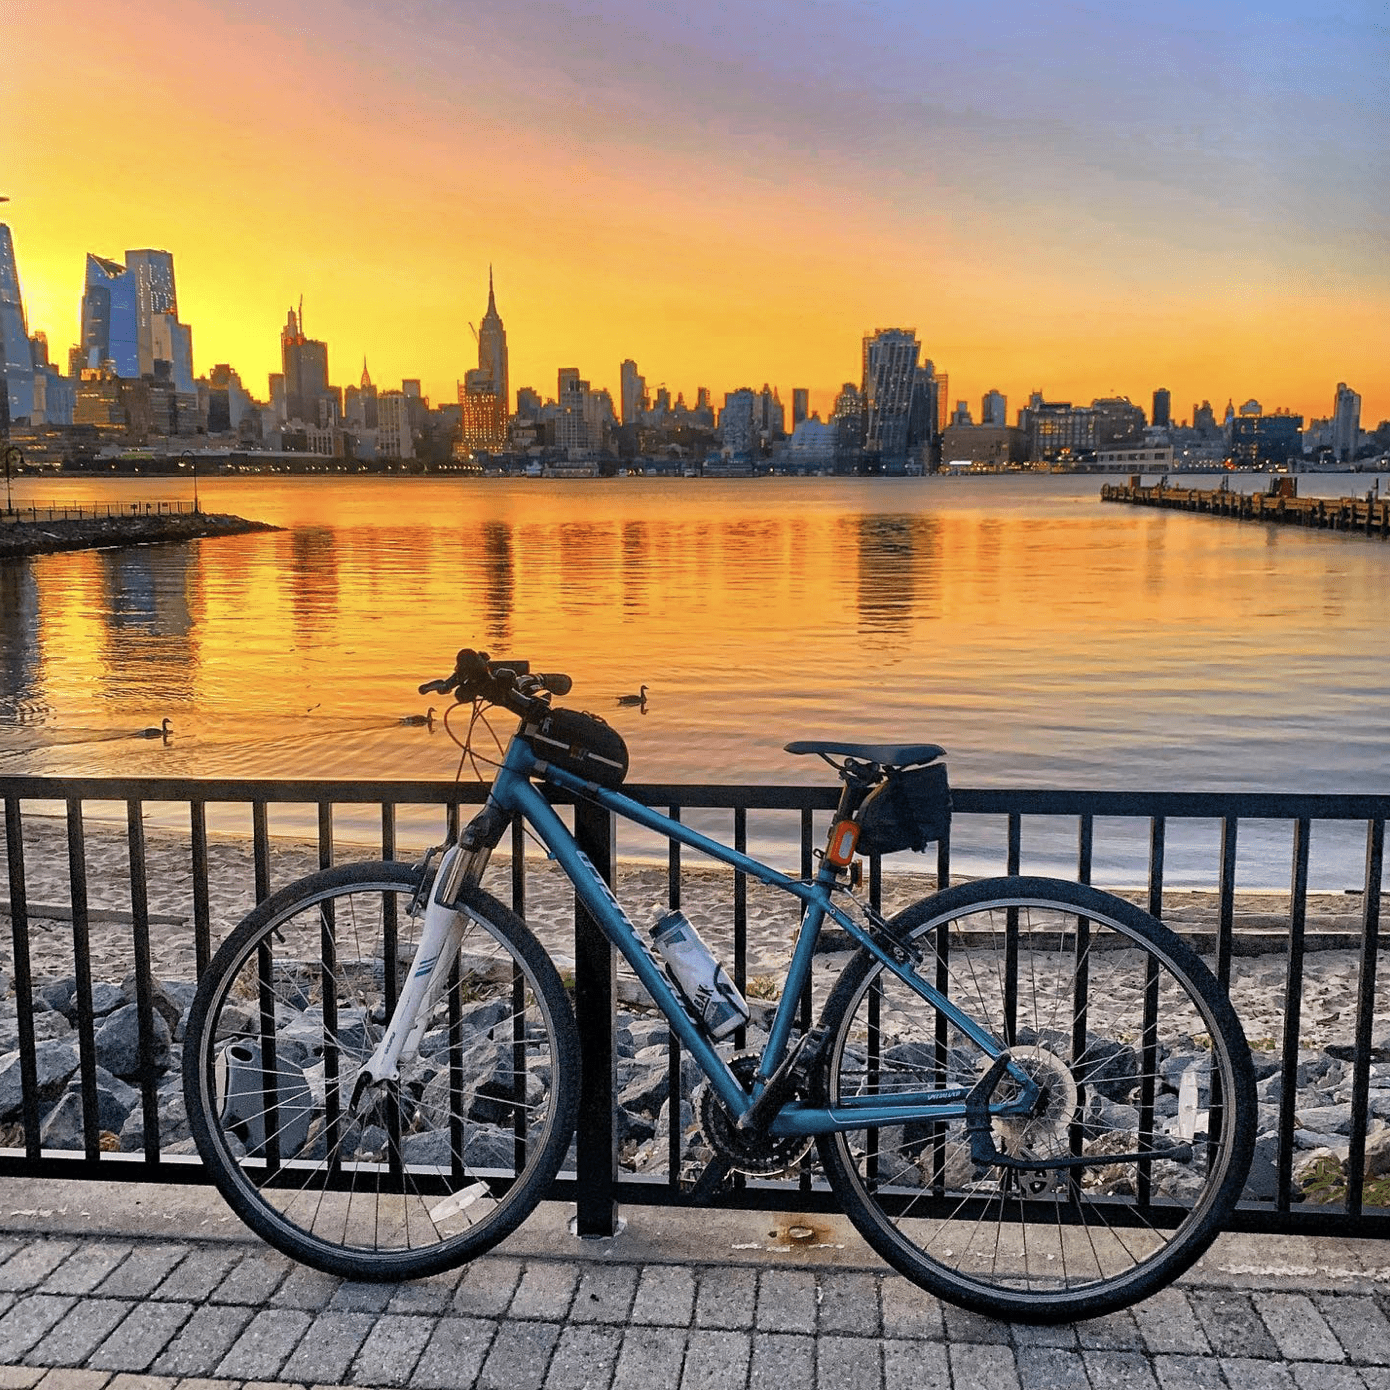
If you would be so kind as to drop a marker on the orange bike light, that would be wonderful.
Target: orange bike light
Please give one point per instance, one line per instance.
(843, 838)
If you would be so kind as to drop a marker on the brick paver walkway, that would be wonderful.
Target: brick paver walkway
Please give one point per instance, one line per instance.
(101, 1313)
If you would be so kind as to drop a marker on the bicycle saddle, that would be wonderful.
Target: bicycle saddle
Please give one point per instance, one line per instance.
(885, 754)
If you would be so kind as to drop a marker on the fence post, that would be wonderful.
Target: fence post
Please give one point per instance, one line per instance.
(595, 988)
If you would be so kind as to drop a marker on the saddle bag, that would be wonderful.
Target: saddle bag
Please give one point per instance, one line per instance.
(580, 743)
(909, 809)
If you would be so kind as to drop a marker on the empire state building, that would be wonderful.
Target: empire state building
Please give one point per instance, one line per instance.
(492, 348)
(484, 399)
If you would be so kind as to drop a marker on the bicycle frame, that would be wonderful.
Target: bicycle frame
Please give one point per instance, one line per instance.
(515, 794)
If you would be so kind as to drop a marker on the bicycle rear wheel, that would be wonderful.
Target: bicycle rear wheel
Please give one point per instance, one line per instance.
(1136, 1050)
(422, 1173)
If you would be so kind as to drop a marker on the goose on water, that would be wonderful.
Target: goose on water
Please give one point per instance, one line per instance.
(163, 731)
(427, 719)
(634, 699)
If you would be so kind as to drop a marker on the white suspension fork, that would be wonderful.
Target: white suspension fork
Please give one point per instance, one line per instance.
(440, 939)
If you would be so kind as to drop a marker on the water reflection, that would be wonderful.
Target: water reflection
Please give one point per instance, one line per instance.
(311, 567)
(149, 646)
(20, 650)
(499, 582)
(897, 554)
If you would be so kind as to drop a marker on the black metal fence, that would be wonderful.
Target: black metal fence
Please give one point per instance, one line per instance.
(60, 818)
(88, 511)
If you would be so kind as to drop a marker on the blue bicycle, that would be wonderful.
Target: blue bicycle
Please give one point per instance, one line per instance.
(1029, 1096)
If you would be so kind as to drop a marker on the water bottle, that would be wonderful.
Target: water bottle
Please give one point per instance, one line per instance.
(711, 994)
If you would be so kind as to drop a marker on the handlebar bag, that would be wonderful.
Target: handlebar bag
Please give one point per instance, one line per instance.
(581, 743)
(909, 809)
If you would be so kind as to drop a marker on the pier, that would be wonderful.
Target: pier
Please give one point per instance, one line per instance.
(1365, 516)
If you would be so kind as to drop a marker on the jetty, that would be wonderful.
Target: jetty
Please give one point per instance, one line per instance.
(1368, 515)
(30, 532)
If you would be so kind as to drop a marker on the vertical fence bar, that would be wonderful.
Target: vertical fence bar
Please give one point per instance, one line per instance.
(144, 978)
(325, 835)
(1148, 1064)
(1014, 857)
(595, 989)
(23, 978)
(260, 849)
(388, 831)
(1293, 990)
(1365, 1009)
(741, 918)
(82, 972)
(673, 1050)
(1081, 984)
(943, 862)
(202, 904)
(1225, 947)
(807, 868)
(519, 867)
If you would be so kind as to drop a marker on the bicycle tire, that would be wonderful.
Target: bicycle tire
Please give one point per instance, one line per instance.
(432, 1170)
(1109, 1012)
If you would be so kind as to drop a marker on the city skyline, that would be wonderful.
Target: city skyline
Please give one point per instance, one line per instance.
(1099, 206)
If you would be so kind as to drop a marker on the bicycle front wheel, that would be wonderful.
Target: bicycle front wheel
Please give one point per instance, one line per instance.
(1142, 1069)
(408, 1177)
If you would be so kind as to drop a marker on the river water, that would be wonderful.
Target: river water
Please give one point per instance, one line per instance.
(1045, 638)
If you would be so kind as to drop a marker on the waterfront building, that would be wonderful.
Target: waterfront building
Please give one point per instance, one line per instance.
(736, 423)
(801, 401)
(359, 402)
(1057, 431)
(394, 438)
(1346, 423)
(482, 415)
(811, 448)
(1204, 419)
(1144, 457)
(994, 407)
(984, 447)
(1163, 408)
(633, 388)
(961, 415)
(16, 351)
(575, 417)
(160, 337)
(1265, 441)
(305, 364)
(110, 331)
(492, 351)
(1118, 420)
(848, 418)
(889, 375)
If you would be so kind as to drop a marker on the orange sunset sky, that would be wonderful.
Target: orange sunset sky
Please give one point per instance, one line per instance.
(1085, 199)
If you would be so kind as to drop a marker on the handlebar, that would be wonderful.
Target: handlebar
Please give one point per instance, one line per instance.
(509, 682)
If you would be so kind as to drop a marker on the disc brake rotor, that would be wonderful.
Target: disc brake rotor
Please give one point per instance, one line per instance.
(1040, 1133)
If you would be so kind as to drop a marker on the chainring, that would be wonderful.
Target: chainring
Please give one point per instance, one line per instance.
(757, 1155)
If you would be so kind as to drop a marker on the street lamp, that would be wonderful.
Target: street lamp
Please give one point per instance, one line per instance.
(192, 461)
(12, 451)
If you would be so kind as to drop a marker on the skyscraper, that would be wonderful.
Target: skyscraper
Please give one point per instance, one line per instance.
(994, 409)
(16, 354)
(160, 337)
(305, 363)
(492, 348)
(634, 392)
(890, 367)
(1163, 408)
(110, 332)
(1346, 423)
(801, 401)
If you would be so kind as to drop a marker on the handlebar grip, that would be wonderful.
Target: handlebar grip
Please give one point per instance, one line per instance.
(556, 682)
(436, 687)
